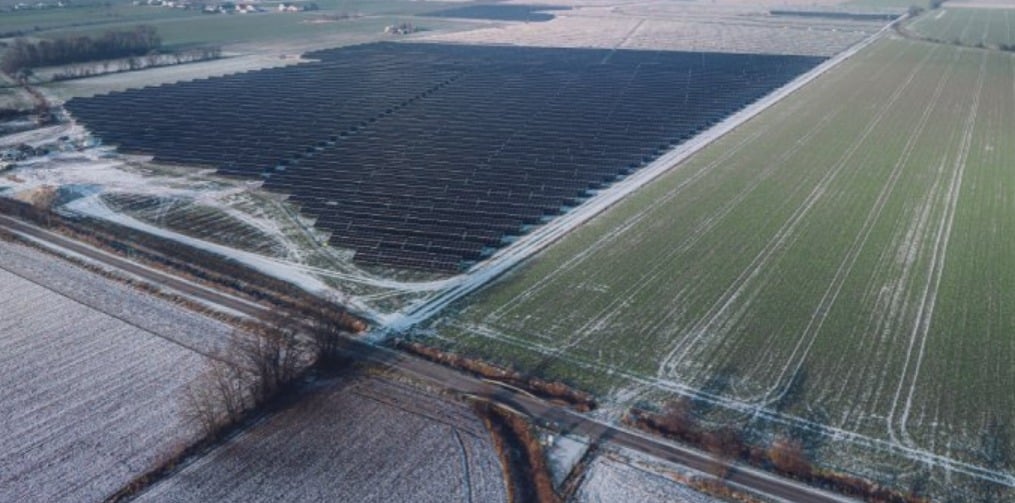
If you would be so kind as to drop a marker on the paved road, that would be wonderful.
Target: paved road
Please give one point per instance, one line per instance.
(541, 411)
(188, 288)
(567, 420)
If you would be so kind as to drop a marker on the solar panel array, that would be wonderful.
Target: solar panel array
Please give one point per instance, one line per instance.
(432, 156)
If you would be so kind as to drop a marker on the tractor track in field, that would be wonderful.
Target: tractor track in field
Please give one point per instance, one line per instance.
(619, 230)
(845, 268)
(925, 315)
(719, 309)
(623, 298)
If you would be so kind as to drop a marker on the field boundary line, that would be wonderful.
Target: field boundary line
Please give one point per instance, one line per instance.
(53, 244)
(465, 465)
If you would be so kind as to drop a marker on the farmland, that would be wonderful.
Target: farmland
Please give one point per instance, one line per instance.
(92, 372)
(364, 440)
(728, 26)
(181, 27)
(843, 263)
(968, 26)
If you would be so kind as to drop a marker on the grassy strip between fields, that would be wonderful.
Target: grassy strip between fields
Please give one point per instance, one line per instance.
(783, 455)
(555, 391)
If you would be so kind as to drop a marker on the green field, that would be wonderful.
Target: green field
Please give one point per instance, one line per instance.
(848, 255)
(182, 28)
(972, 26)
(899, 5)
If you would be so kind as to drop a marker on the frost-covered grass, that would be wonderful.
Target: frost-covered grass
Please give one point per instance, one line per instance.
(972, 26)
(844, 261)
(361, 441)
(92, 371)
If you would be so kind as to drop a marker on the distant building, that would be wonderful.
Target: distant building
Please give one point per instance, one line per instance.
(297, 7)
(400, 29)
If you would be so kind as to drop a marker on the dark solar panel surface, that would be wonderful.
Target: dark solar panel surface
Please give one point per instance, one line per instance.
(432, 156)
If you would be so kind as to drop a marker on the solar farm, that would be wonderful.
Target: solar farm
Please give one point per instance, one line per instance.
(797, 218)
(432, 156)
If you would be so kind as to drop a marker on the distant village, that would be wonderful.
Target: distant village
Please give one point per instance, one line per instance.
(35, 6)
(230, 7)
(207, 7)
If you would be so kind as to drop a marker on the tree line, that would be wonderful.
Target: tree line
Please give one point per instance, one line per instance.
(132, 63)
(23, 54)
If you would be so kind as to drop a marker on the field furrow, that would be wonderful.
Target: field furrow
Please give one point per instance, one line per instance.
(90, 394)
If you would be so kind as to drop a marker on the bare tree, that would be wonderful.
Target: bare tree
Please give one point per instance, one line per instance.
(258, 362)
(273, 357)
(326, 333)
(787, 455)
(217, 397)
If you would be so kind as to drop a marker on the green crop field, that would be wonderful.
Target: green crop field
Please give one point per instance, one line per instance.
(886, 4)
(971, 26)
(845, 260)
(182, 28)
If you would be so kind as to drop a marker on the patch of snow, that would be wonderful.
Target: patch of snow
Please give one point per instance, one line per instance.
(612, 478)
(563, 452)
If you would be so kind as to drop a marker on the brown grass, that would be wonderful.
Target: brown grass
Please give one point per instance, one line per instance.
(784, 455)
(526, 472)
(554, 391)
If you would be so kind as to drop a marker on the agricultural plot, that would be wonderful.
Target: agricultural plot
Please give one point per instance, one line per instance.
(92, 374)
(970, 26)
(680, 26)
(370, 440)
(432, 156)
(841, 264)
(188, 27)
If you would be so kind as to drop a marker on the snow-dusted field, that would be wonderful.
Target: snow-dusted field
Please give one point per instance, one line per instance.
(681, 26)
(611, 478)
(91, 373)
(369, 440)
